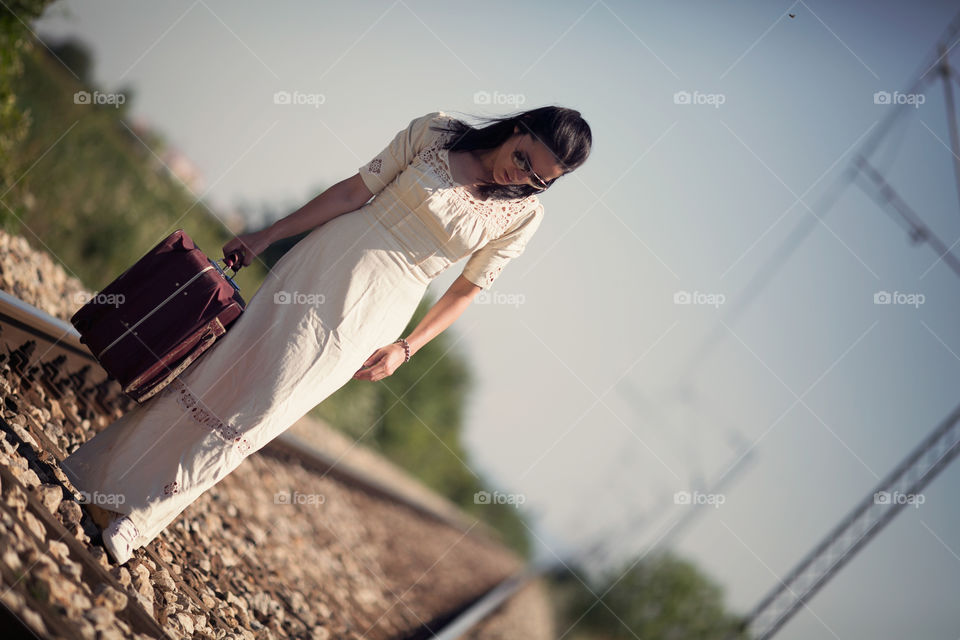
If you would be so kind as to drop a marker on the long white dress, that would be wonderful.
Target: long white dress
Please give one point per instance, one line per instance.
(347, 288)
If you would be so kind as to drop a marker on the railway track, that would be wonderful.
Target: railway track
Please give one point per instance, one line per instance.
(55, 396)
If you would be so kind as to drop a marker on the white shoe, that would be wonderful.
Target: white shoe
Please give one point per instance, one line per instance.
(118, 538)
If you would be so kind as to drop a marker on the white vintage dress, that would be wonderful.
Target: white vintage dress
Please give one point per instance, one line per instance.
(347, 288)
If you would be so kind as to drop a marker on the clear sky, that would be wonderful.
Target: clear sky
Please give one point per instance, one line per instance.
(591, 401)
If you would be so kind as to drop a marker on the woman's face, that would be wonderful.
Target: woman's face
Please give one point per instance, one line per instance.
(532, 153)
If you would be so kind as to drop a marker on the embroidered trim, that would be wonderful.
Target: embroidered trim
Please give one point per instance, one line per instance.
(502, 212)
(492, 275)
(374, 166)
(201, 415)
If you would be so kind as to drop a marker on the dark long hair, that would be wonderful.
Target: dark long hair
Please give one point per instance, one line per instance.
(563, 131)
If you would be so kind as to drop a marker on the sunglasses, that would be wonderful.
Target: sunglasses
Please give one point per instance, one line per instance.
(522, 162)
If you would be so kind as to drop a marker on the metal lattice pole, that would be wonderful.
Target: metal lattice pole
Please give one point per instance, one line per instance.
(894, 492)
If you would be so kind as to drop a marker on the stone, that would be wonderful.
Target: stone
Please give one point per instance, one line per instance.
(58, 550)
(11, 559)
(70, 513)
(265, 606)
(100, 555)
(162, 579)
(100, 617)
(186, 622)
(33, 620)
(35, 526)
(107, 596)
(146, 603)
(26, 476)
(53, 426)
(57, 589)
(322, 610)
(239, 603)
(50, 495)
(122, 574)
(80, 602)
(141, 584)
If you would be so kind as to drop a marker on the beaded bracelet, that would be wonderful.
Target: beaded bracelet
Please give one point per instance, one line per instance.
(406, 349)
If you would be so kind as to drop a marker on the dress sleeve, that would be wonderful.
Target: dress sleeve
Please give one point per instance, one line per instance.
(485, 264)
(387, 164)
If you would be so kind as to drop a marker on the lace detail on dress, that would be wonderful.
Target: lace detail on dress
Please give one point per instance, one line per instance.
(201, 415)
(503, 212)
(490, 276)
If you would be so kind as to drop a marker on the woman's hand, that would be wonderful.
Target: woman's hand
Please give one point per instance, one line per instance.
(382, 363)
(249, 246)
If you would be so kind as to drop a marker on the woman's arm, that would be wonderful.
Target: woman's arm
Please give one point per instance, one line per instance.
(441, 315)
(346, 195)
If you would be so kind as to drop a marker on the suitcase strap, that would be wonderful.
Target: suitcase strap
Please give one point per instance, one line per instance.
(154, 310)
(142, 389)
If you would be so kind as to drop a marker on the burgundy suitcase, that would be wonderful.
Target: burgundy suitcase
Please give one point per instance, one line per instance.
(147, 326)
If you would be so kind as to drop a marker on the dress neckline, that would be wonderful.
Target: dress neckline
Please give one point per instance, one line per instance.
(503, 212)
(445, 157)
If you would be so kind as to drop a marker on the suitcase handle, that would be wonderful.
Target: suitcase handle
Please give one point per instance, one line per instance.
(229, 266)
(234, 260)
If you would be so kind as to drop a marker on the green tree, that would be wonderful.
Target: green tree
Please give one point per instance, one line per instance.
(663, 597)
(15, 40)
(76, 55)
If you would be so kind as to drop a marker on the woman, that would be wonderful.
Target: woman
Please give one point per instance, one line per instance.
(332, 306)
